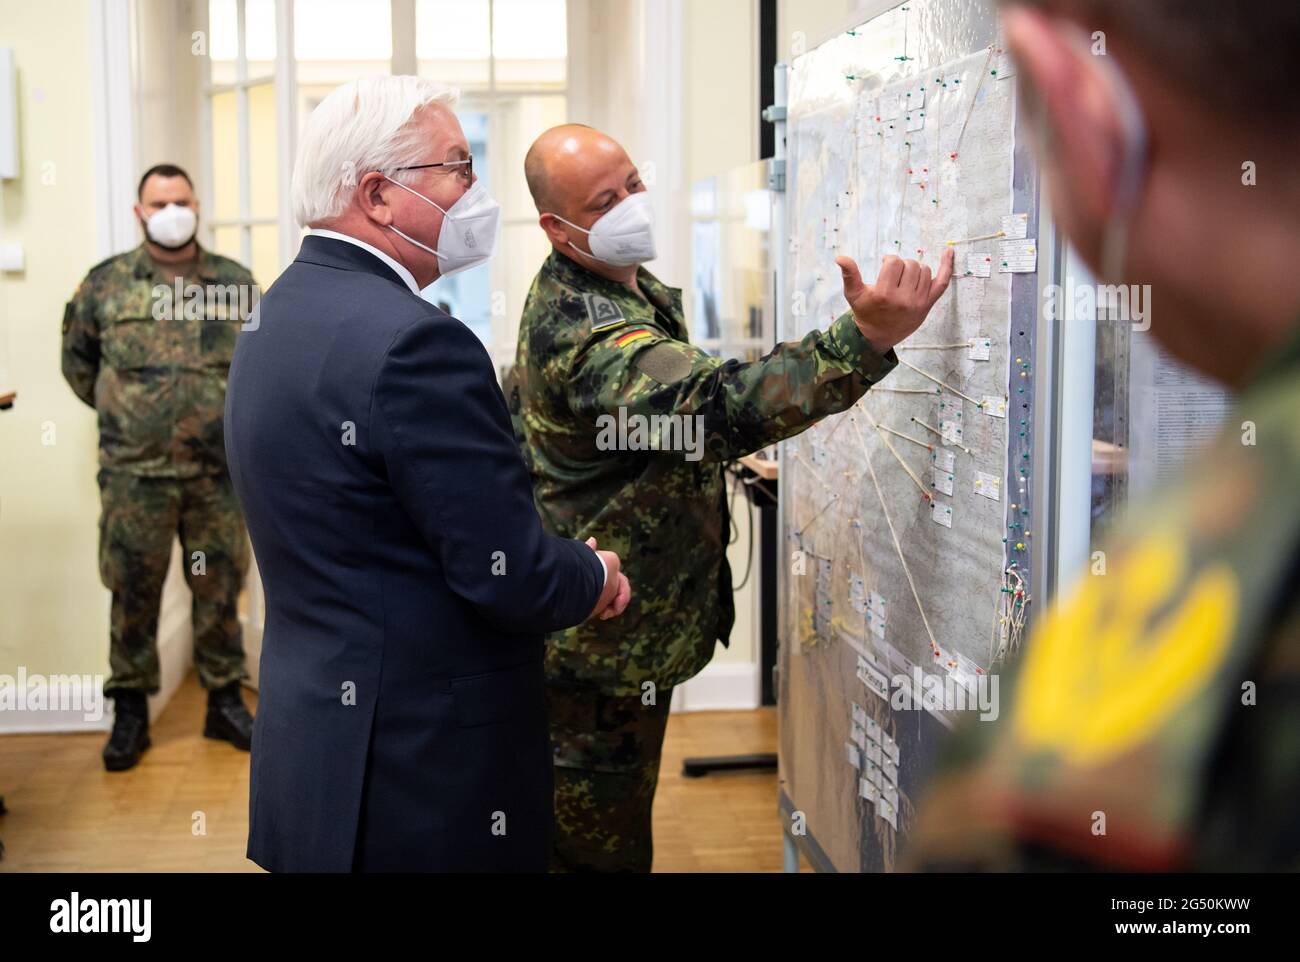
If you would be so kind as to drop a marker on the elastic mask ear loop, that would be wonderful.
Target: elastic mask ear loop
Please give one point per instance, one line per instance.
(417, 194)
(572, 244)
(1116, 236)
(585, 254)
(407, 237)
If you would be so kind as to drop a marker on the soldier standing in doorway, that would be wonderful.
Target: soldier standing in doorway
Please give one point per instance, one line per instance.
(153, 365)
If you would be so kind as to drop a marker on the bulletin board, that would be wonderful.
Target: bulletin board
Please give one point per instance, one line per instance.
(906, 521)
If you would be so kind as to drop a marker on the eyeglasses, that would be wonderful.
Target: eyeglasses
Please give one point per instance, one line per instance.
(466, 175)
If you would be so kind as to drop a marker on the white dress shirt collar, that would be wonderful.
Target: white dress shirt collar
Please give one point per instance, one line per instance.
(398, 269)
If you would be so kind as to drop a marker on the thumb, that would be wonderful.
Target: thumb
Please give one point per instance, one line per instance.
(591, 543)
(853, 286)
(940, 282)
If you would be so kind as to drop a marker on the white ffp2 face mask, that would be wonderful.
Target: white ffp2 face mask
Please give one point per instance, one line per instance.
(173, 227)
(468, 236)
(624, 235)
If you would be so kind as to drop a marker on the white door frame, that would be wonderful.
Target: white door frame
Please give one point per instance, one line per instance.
(112, 115)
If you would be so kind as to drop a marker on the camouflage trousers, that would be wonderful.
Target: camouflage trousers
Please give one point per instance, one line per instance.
(138, 519)
(607, 751)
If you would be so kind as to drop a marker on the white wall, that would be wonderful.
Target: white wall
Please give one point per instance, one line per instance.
(70, 208)
(168, 84)
(53, 610)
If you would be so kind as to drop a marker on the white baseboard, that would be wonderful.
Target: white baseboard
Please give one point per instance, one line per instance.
(82, 690)
(721, 686)
(175, 657)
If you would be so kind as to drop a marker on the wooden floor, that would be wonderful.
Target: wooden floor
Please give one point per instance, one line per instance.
(66, 814)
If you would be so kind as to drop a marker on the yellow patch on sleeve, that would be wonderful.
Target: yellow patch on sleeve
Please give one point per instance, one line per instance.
(1115, 662)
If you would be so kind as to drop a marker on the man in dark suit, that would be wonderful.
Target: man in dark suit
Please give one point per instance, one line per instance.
(401, 723)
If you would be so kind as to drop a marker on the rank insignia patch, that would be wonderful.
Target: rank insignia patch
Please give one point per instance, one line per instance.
(603, 313)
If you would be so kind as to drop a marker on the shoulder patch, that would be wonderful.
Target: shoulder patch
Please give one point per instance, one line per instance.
(666, 362)
(631, 337)
(603, 313)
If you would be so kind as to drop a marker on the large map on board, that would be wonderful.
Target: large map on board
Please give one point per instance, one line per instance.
(906, 521)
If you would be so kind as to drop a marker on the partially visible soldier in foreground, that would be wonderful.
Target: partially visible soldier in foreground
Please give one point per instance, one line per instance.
(154, 367)
(1153, 723)
(603, 347)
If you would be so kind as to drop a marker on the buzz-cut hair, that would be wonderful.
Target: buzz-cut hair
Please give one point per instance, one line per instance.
(1237, 59)
(161, 170)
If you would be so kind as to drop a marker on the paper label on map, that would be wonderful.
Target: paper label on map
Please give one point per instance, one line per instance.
(1018, 256)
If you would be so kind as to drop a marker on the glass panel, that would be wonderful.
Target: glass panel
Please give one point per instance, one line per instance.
(264, 152)
(225, 241)
(327, 56)
(223, 40)
(523, 249)
(259, 37)
(466, 296)
(355, 31)
(529, 42)
(730, 286)
(451, 41)
(266, 255)
(1110, 419)
(225, 157)
(1151, 414)
(474, 123)
(519, 121)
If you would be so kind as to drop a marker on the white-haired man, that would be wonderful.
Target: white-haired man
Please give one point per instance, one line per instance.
(401, 722)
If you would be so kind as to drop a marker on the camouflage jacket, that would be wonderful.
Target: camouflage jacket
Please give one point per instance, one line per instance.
(1153, 721)
(595, 364)
(152, 366)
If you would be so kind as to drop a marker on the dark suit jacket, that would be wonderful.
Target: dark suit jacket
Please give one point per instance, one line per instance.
(401, 721)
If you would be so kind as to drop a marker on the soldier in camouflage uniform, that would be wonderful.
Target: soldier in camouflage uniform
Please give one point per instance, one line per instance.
(153, 366)
(599, 342)
(1152, 722)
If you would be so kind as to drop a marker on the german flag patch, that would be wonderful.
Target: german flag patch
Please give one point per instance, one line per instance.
(630, 337)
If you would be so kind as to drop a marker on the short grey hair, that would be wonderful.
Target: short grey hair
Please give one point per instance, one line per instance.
(364, 125)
